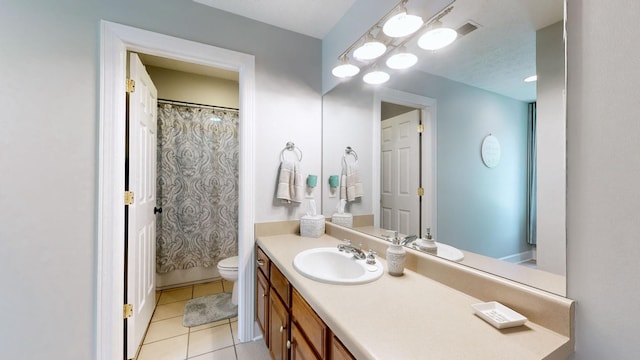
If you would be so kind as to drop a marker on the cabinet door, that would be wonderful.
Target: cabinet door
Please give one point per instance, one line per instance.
(338, 351)
(262, 305)
(278, 328)
(309, 323)
(300, 349)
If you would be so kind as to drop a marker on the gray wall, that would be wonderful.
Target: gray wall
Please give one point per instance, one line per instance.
(49, 53)
(48, 146)
(603, 167)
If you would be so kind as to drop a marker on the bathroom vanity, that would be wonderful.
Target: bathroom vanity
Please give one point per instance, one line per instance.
(426, 313)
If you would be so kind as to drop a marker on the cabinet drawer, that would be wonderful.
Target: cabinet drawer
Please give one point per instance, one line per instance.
(280, 284)
(309, 323)
(262, 262)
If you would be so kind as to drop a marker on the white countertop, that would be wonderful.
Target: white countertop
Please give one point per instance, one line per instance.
(408, 317)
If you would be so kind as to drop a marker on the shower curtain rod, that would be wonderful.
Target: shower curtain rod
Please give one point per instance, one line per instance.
(214, 107)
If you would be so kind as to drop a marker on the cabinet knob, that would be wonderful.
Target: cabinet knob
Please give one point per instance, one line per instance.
(260, 262)
(288, 344)
(281, 329)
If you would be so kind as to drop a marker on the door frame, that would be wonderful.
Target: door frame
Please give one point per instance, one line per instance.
(427, 108)
(115, 41)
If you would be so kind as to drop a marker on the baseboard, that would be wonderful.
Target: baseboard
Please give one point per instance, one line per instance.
(178, 278)
(519, 257)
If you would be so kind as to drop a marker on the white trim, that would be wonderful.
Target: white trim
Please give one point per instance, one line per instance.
(116, 40)
(428, 106)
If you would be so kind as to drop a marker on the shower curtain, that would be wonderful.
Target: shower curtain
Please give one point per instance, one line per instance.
(197, 186)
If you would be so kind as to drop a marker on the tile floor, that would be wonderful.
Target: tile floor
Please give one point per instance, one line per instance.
(167, 339)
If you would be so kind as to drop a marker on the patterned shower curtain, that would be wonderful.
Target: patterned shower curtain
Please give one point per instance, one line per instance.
(197, 186)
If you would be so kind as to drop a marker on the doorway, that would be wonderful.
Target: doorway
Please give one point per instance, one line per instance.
(427, 152)
(116, 40)
(400, 168)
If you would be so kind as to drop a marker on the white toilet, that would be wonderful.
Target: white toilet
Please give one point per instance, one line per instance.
(228, 269)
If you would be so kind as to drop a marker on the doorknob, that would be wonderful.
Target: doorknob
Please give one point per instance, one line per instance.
(157, 210)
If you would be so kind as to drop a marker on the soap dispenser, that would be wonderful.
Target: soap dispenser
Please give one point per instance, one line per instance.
(428, 244)
(396, 256)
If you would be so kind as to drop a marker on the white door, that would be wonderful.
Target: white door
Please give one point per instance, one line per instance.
(400, 171)
(142, 225)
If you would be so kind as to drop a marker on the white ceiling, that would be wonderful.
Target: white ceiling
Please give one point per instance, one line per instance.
(496, 57)
(309, 17)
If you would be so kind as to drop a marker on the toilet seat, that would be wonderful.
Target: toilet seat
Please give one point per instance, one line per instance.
(230, 263)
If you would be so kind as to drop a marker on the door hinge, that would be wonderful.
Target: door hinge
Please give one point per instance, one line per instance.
(420, 191)
(128, 197)
(420, 128)
(127, 311)
(131, 86)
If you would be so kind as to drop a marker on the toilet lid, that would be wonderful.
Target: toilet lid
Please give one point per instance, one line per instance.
(229, 263)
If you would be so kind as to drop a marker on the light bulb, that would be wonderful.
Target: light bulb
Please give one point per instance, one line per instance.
(402, 60)
(345, 70)
(402, 24)
(437, 38)
(370, 50)
(376, 77)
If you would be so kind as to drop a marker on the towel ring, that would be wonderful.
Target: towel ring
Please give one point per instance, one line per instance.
(291, 147)
(349, 151)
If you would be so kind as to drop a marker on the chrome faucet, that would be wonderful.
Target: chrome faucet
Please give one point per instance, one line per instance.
(402, 241)
(357, 252)
(408, 239)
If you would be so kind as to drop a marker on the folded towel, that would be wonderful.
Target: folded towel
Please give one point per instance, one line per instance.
(350, 184)
(290, 186)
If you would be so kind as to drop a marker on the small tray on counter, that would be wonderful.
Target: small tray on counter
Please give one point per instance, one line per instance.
(498, 315)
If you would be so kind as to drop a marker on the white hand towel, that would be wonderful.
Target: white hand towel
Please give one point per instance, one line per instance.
(290, 187)
(351, 186)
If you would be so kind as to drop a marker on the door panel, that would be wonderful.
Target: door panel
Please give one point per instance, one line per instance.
(400, 169)
(142, 181)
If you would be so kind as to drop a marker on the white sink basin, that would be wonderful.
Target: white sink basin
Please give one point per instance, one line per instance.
(329, 265)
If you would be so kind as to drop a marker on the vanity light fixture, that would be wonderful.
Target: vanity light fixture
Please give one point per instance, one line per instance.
(402, 24)
(531, 78)
(345, 69)
(437, 37)
(390, 33)
(371, 49)
(402, 60)
(376, 77)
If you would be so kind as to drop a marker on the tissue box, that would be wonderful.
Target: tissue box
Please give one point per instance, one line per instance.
(312, 225)
(344, 219)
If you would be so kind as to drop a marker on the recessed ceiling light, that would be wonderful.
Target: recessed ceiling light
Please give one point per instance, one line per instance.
(531, 78)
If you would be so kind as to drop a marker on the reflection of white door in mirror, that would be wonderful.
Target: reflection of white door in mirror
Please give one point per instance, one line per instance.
(400, 169)
(423, 153)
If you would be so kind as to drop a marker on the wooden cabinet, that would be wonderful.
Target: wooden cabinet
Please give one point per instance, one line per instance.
(300, 348)
(311, 326)
(337, 351)
(262, 293)
(291, 328)
(262, 304)
(278, 328)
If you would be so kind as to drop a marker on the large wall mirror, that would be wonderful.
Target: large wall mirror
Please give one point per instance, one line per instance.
(505, 210)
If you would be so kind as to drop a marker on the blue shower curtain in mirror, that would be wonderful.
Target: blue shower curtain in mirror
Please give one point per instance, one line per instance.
(197, 186)
(531, 176)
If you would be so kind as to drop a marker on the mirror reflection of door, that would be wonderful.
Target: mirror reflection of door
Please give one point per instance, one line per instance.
(400, 169)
